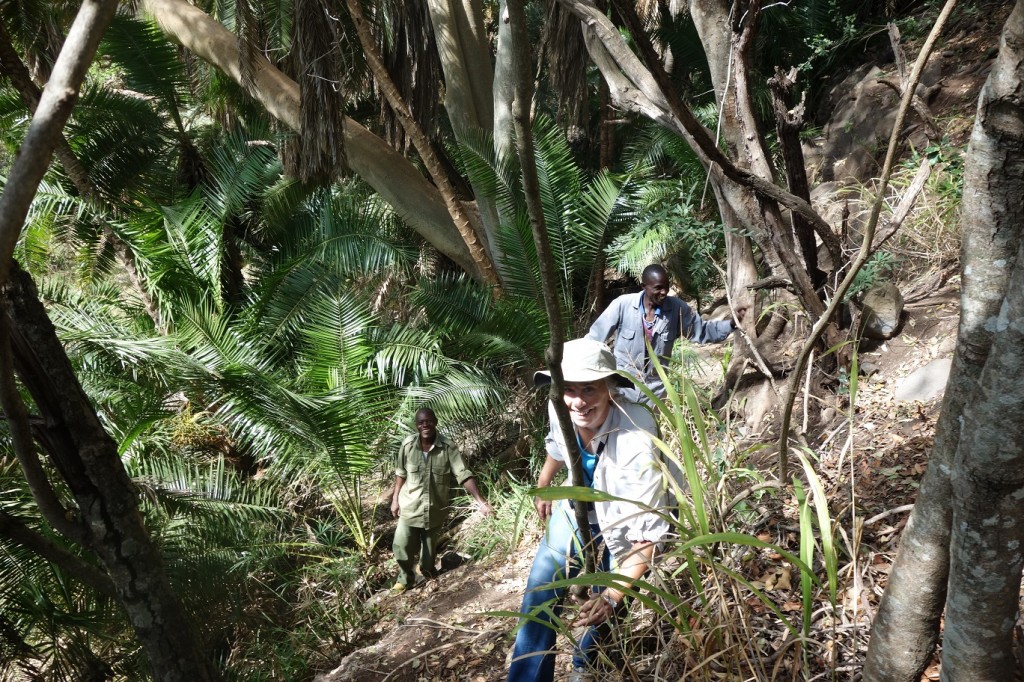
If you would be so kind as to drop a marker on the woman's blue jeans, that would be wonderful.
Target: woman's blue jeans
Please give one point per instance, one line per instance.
(533, 658)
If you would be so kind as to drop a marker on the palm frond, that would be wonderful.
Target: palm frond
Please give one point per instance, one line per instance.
(521, 272)
(220, 505)
(455, 303)
(462, 393)
(346, 240)
(240, 168)
(193, 236)
(14, 119)
(334, 344)
(148, 63)
(102, 120)
(514, 334)
(601, 213)
(406, 356)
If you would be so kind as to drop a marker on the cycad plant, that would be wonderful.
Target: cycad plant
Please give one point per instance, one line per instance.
(676, 222)
(245, 424)
(583, 213)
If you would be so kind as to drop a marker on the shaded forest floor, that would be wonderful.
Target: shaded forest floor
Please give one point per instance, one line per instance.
(444, 629)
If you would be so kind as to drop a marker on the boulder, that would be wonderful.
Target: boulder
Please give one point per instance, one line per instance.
(925, 383)
(883, 308)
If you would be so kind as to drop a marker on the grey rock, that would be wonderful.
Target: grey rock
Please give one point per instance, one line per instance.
(926, 383)
(883, 306)
(947, 345)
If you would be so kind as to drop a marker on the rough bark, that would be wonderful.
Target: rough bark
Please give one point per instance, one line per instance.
(986, 550)
(82, 451)
(87, 459)
(48, 502)
(397, 180)
(906, 627)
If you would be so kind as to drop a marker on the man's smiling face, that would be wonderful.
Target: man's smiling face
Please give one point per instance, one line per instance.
(426, 425)
(588, 403)
(656, 288)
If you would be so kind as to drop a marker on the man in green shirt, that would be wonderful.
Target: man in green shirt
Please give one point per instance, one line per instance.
(426, 464)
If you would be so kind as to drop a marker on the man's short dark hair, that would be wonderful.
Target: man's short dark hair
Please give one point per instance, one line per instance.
(653, 270)
(425, 410)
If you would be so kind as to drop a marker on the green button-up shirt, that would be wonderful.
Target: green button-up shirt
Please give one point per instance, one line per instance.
(424, 496)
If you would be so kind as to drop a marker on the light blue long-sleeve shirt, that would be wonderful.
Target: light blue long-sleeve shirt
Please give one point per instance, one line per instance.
(625, 318)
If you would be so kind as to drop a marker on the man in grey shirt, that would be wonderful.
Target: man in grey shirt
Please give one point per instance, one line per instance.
(653, 315)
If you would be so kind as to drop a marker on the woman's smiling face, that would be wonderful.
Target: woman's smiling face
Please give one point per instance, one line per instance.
(588, 403)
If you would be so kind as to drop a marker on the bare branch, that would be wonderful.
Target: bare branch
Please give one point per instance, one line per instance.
(19, 533)
(792, 387)
(907, 202)
(55, 104)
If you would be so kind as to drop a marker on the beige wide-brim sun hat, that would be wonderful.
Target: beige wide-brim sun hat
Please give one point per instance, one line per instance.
(583, 361)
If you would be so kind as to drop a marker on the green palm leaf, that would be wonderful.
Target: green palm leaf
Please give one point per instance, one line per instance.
(147, 62)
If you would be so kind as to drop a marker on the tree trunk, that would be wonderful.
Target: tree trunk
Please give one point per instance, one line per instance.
(87, 459)
(390, 174)
(906, 627)
(504, 87)
(743, 177)
(987, 541)
(469, 89)
(988, 473)
(470, 233)
(789, 122)
(549, 281)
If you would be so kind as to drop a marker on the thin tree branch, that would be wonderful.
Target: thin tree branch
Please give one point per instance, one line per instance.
(792, 386)
(55, 104)
(907, 201)
(531, 189)
(19, 533)
(747, 492)
(886, 514)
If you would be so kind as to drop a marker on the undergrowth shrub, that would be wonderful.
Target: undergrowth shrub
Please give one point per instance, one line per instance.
(498, 535)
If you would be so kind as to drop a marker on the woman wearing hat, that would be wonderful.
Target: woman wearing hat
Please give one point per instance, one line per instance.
(619, 458)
